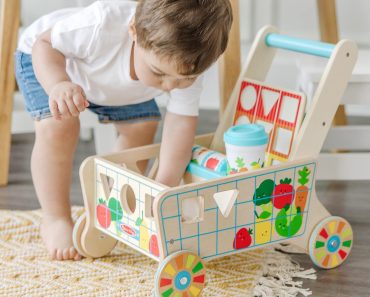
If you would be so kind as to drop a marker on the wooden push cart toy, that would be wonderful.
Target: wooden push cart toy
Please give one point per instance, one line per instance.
(228, 213)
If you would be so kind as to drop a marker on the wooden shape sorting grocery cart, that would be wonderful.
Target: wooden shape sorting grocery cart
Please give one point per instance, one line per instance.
(228, 214)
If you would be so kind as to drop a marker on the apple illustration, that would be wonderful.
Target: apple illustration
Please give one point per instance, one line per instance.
(243, 238)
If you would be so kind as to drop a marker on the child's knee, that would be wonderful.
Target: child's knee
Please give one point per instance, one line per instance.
(136, 130)
(54, 130)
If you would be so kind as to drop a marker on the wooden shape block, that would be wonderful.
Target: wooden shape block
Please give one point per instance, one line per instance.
(192, 209)
(225, 201)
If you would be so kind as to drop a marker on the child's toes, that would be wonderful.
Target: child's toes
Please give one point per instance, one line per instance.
(73, 254)
(57, 236)
(53, 254)
(66, 255)
(78, 257)
(59, 255)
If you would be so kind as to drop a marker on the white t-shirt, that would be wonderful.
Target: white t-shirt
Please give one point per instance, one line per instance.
(97, 47)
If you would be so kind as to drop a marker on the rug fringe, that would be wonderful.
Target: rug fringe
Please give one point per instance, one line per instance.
(277, 279)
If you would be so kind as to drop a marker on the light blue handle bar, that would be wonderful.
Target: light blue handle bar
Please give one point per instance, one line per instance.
(306, 46)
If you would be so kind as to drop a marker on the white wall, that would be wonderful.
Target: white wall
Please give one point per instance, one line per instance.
(33, 9)
(293, 17)
(300, 18)
(297, 18)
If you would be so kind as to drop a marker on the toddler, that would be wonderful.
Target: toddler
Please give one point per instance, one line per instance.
(114, 57)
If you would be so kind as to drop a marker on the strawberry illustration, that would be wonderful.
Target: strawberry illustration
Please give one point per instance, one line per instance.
(283, 194)
(103, 214)
(243, 238)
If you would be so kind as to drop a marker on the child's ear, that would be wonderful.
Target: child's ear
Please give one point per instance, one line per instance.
(132, 29)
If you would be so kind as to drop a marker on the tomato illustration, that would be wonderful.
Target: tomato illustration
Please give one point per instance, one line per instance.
(212, 163)
(283, 194)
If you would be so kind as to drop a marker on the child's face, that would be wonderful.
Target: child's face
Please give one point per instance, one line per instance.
(159, 72)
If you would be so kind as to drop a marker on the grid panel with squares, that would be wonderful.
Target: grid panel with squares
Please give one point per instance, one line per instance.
(125, 227)
(224, 230)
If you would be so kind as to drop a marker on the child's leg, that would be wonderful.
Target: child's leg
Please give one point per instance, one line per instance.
(51, 166)
(134, 135)
(51, 162)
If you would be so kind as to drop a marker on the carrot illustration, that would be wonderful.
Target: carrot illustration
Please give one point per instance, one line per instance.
(302, 190)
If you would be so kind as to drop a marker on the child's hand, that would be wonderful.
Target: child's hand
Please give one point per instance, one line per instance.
(66, 100)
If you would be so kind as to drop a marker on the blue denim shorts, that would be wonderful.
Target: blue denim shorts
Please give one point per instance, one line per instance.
(37, 101)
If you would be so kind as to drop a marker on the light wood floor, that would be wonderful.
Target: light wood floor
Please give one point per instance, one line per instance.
(348, 199)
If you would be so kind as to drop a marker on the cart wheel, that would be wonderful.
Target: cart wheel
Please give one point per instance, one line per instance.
(181, 274)
(91, 242)
(77, 232)
(331, 242)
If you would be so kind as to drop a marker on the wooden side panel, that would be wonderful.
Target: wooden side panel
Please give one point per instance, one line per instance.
(123, 203)
(267, 206)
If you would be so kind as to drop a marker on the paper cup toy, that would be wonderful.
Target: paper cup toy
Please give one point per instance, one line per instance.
(245, 147)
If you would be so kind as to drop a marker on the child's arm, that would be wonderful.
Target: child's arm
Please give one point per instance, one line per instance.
(177, 142)
(65, 98)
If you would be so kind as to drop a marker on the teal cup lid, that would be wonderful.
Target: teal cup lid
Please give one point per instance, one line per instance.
(246, 135)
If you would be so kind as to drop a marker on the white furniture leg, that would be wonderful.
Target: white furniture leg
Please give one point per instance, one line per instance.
(104, 136)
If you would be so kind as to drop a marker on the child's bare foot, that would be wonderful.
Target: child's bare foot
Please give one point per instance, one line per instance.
(56, 233)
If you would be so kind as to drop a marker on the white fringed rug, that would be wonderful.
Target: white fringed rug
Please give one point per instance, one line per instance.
(25, 269)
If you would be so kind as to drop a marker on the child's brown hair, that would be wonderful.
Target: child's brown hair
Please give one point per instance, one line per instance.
(192, 32)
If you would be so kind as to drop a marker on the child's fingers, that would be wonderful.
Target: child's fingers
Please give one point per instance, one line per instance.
(63, 108)
(79, 101)
(86, 103)
(72, 108)
(54, 110)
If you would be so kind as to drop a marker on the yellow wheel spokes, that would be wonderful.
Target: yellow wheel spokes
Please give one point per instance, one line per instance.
(331, 242)
(182, 275)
